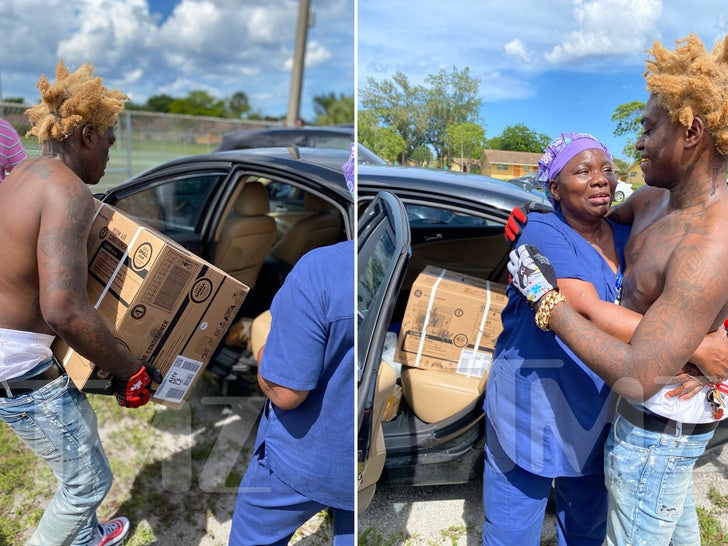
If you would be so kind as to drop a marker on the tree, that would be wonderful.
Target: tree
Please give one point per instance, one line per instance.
(466, 140)
(198, 103)
(383, 141)
(620, 168)
(519, 138)
(422, 156)
(160, 103)
(451, 99)
(238, 105)
(333, 110)
(401, 106)
(628, 117)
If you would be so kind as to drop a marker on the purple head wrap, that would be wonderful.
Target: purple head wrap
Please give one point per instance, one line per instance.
(349, 168)
(562, 149)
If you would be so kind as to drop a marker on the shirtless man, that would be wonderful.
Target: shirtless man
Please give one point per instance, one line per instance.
(46, 211)
(674, 257)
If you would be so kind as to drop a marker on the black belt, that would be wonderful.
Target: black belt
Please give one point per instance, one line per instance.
(657, 423)
(16, 387)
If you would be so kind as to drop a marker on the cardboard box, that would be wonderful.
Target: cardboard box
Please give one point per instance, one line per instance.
(167, 305)
(451, 322)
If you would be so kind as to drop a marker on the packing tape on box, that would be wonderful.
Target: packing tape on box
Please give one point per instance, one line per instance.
(423, 335)
(431, 301)
(483, 320)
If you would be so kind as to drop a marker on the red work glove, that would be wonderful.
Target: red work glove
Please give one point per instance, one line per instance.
(137, 390)
(518, 218)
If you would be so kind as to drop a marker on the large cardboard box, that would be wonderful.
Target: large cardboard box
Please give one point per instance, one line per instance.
(167, 305)
(451, 322)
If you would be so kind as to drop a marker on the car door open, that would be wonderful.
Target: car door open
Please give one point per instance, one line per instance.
(383, 254)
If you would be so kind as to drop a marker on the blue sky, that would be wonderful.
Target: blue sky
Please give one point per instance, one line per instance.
(150, 47)
(553, 65)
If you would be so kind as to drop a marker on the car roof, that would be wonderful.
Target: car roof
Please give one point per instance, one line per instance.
(320, 164)
(454, 188)
(280, 136)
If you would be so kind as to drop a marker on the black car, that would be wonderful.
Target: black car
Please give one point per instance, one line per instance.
(252, 213)
(528, 182)
(409, 219)
(332, 137)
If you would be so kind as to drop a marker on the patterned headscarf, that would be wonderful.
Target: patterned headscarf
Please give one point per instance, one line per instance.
(349, 168)
(562, 149)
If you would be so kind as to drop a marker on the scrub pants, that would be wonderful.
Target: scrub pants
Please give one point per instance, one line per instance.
(514, 501)
(268, 512)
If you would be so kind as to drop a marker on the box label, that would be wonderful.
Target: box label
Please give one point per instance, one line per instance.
(177, 382)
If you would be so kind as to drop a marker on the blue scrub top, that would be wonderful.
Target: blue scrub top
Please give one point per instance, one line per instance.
(311, 347)
(550, 412)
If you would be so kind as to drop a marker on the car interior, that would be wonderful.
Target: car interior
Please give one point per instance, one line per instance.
(478, 251)
(265, 228)
(282, 223)
(410, 399)
(246, 236)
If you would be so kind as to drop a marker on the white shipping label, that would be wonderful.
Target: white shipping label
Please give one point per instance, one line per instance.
(473, 363)
(178, 379)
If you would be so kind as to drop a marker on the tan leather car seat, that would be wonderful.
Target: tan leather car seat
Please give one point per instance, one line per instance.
(434, 395)
(247, 235)
(322, 227)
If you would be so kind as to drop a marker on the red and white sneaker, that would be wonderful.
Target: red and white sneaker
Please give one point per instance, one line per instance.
(112, 532)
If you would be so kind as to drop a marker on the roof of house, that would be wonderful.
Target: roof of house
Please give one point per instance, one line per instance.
(507, 157)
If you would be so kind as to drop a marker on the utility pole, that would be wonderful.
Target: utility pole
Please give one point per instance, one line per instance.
(299, 59)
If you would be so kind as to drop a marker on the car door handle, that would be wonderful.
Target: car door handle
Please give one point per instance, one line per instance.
(435, 237)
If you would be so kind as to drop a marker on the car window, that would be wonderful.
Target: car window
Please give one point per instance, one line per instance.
(423, 215)
(374, 261)
(172, 207)
(335, 142)
(285, 197)
(383, 251)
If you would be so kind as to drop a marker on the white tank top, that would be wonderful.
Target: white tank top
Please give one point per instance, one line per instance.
(22, 351)
(694, 410)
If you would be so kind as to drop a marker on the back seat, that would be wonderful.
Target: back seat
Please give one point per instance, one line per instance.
(435, 396)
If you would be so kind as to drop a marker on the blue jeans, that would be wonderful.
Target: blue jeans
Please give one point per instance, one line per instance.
(650, 481)
(268, 512)
(59, 425)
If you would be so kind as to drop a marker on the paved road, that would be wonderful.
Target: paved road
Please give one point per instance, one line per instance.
(434, 515)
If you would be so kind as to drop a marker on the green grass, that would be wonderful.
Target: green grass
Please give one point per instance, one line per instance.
(155, 486)
(374, 537)
(711, 531)
(452, 534)
(24, 487)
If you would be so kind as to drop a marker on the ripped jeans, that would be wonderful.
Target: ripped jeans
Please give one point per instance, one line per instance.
(58, 424)
(649, 477)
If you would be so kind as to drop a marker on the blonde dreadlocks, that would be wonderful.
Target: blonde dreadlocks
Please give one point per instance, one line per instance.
(690, 82)
(75, 99)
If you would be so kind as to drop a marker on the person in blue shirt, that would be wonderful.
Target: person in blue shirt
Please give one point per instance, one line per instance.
(303, 460)
(547, 414)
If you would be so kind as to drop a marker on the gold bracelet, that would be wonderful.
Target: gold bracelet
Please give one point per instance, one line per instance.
(546, 307)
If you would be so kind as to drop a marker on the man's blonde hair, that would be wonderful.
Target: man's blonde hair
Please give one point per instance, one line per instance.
(690, 82)
(75, 99)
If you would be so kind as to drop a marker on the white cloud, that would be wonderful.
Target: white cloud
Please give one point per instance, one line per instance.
(145, 47)
(607, 28)
(516, 49)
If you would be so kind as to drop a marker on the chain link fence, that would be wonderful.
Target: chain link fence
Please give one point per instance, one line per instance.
(144, 139)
